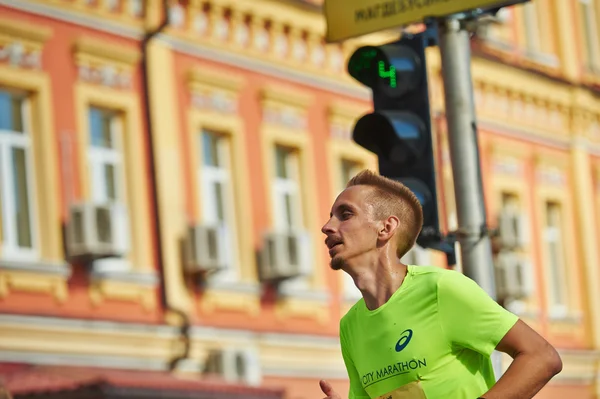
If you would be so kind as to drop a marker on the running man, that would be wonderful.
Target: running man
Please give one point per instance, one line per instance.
(420, 332)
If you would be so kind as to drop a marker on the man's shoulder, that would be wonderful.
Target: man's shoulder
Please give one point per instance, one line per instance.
(351, 313)
(429, 273)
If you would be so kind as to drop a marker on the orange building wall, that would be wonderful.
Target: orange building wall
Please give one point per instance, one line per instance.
(58, 63)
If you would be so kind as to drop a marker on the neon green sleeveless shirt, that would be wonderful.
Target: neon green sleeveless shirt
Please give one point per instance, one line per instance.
(431, 340)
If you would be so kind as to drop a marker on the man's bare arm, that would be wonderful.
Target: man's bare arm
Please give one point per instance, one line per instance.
(535, 362)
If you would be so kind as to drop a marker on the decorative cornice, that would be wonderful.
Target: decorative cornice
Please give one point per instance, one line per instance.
(346, 110)
(208, 77)
(286, 96)
(104, 63)
(99, 50)
(25, 31)
(501, 149)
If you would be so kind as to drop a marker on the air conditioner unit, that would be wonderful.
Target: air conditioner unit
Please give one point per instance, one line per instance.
(234, 365)
(97, 231)
(207, 248)
(285, 255)
(513, 276)
(513, 230)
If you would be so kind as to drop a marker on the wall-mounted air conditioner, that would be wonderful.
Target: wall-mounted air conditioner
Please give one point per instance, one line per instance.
(285, 255)
(97, 231)
(514, 276)
(235, 365)
(512, 229)
(207, 248)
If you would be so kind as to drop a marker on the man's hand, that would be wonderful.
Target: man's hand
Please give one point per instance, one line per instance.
(328, 390)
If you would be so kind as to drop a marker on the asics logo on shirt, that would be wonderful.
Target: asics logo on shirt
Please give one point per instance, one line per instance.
(404, 340)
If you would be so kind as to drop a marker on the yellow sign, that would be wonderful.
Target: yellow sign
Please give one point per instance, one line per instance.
(350, 18)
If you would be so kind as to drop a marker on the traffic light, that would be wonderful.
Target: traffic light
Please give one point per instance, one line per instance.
(399, 129)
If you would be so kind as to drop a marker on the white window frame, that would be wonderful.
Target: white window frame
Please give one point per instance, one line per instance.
(99, 158)
(22, 140)
(207, 176)
(288, 186)
(532, 24)
(557, 278)
(590, 32)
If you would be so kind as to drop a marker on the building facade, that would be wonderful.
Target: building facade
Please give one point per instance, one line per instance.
(166, 167)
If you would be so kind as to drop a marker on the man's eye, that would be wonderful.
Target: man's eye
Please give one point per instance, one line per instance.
(346, 215)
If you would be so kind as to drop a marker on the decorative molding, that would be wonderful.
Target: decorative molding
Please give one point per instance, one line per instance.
(254, 64)
(24, 31)
(87, 47)
(280, 33)
(214, 90)
(86, 339)
(33, 282)
(80, 19)
(342, 117)
(101, 290)
(215, 299)
(207, 77)
(21, 43)
(105, 64)
(48, 268)
(507, 166)
(285, 107)
(512, 107)
(45, 340)
(290, 308)
(286, 96)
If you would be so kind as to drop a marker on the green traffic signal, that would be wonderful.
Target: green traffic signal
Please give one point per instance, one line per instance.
(389, 73)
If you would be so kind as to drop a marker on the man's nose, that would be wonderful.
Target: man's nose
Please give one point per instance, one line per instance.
(328, 227)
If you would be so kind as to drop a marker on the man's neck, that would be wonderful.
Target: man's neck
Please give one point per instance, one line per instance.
(379, 282)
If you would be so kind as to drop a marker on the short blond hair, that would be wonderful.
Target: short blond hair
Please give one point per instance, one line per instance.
(390, 197)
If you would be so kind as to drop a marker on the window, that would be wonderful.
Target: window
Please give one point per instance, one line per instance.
(511, 226)
(216, 190)
(538, 33)
(500, 34)
(107, 174)
(16, 179)
(590, 32)
(288, 204)
(286, 190)
(555, 258)
(531, 25)
(106, 157)
(349, 169)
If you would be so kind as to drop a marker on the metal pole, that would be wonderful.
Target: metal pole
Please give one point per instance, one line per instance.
(476, 251)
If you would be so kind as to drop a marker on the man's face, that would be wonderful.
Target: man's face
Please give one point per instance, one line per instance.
(351, 230)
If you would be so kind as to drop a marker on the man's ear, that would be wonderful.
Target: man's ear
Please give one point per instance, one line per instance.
(389, 227)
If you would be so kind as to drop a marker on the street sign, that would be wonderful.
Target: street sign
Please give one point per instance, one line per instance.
(350, 18)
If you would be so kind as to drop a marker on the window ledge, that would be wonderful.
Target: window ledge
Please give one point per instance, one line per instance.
(234, 286)
(34, 277)
(233, 296)
(303, 303)
(304, 294)
(38, 267)
(149, 279)
(120, 270)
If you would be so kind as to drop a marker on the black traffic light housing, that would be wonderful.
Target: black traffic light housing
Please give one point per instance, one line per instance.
(399, 129)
